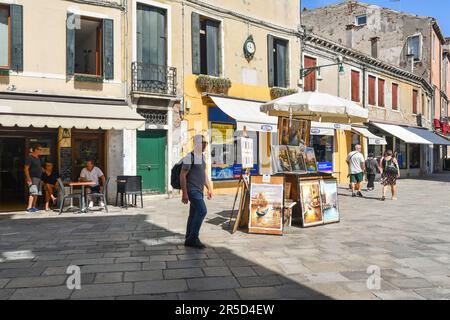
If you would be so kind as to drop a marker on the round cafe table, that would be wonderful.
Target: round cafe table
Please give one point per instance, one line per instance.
(81, 184)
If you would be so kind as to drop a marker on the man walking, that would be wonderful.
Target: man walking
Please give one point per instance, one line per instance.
(356, 166)
(371, 170)
(193, 179)
(33, 173)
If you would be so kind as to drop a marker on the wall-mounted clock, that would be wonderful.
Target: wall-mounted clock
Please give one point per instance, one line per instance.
(249, 48)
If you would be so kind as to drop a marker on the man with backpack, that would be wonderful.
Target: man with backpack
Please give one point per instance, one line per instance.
(356, 166)
(193, 179)
(372, 169)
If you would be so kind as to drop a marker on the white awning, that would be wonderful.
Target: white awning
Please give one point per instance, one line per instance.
(247, 114)
(39, 114)
(402, 133)
(373, 139)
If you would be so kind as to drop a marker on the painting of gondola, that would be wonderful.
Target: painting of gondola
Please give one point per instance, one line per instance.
(266, 205)
(311, 203)
(329, 199)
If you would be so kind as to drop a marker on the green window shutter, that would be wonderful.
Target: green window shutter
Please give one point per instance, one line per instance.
(195, 25)
(108, 49)
(16, 13)
(212, 48)
(70, 43)
(281, 64)
(270, 64)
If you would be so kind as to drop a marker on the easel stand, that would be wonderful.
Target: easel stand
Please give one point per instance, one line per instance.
(243, 188)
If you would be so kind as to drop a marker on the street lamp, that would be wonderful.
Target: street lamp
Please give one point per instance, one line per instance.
(305, 71)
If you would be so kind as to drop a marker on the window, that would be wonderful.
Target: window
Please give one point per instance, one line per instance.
(394, 96)
(278, 63)
(355, 86)
(381, 83)
(414, 156)
(4, 36)
(90, 46)
(323, 148)
(372, 81)
(310, 79)
(400, 149)
(361, 20)
(206, 52)
(423, 104)
(414, 101)
(415, 47)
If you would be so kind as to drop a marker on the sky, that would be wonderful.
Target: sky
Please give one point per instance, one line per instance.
(439, 9)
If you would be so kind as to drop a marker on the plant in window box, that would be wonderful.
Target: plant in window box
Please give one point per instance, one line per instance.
(4, 72)
(277, 92)
(210, 84)
(88, 78)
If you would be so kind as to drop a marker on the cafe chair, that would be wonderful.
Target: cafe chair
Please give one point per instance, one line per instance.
(129, 186)
(100, 195)
(63, 196)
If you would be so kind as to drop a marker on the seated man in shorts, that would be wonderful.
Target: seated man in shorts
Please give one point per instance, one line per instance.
(93, 173)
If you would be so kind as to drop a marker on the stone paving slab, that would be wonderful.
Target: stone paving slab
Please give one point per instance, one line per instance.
(139, 253)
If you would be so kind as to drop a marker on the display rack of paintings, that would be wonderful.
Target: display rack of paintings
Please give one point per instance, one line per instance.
(329, 200)
(311, 204)
(266, 205)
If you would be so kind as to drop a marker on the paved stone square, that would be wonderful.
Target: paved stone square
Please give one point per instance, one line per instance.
(139, 253)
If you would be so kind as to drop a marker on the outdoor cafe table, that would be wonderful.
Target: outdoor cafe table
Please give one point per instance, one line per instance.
(81, 184)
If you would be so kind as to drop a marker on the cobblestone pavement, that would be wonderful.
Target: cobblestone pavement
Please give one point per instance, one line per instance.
(138, 253)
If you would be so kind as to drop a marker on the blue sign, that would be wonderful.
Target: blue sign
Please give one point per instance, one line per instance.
(237, 169)
(325, 166)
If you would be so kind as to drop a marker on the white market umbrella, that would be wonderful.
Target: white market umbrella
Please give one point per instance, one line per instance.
(316, 106)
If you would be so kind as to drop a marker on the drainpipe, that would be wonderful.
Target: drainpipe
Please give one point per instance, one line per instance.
(364, 87)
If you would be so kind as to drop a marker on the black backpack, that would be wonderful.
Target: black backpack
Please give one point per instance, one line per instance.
(176, 171)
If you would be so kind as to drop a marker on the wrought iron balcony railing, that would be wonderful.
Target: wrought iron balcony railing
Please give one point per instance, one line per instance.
(152, 78)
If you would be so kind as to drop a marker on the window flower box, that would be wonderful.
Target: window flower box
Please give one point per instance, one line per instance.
(277, 92)
(88, 78)
(213, 84)
(4, 72)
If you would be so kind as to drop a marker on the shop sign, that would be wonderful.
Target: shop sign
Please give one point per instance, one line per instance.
(224, 172)
(266, 128)
(325, 166)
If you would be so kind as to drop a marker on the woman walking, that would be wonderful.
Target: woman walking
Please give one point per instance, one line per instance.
(390, 172)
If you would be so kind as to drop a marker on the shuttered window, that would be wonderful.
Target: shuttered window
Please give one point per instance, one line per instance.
(278, 65)
(381, 83)
(4, 36)
(355, 86)
(108, 49)
(310, 79)
(372, 90)
(11, 37)
(414, 102)
(394, 96)
(206, 46)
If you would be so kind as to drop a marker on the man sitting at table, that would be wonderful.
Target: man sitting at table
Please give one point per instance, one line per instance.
(93, 173)
(50, 180)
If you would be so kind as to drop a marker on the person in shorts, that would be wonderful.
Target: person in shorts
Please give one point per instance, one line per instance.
(93, 173)
(33, 173)
(356, 165)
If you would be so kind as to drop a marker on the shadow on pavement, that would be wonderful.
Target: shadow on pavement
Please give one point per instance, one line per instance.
(128, 257)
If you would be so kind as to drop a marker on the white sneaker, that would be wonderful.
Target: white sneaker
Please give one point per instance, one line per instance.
(102, 204)
(91, 204)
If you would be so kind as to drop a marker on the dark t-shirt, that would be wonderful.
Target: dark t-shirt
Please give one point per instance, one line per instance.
(196, 177)
(35, 166)
(50, 179)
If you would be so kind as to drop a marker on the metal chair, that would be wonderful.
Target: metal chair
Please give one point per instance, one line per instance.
(63, 196)
(129, 185)
(101, 195)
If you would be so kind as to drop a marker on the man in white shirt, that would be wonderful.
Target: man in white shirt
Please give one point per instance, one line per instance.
(356, 166)
(93, 173)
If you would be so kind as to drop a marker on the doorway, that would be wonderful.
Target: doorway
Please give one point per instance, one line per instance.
(151, 160)
(12, 185)
(87, 146)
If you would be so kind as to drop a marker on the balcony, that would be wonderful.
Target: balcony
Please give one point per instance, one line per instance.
(153, 79)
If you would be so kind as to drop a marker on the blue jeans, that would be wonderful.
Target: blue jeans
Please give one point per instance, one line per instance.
(197, 213)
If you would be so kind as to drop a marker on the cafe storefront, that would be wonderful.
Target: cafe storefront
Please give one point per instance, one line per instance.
(69, 133)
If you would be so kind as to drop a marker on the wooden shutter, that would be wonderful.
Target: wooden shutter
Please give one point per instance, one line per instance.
(381, 93)
(394, 96)
(16, 49)
(310, 79)
(195, 25)
(355, 86)
(270, 62)
(108, 48)
(281, 75)
(372, 90)
(212, 48)
(70, 44)
(414, 102)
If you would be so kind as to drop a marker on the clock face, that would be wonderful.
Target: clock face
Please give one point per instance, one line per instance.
(250, 46)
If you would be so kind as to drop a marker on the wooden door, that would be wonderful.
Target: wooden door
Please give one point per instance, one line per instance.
(87, 146)
(310, 79)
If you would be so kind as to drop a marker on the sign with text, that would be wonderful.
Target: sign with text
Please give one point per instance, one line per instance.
(247, 153)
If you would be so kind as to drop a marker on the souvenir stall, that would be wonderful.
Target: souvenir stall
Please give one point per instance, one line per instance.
(297, 189)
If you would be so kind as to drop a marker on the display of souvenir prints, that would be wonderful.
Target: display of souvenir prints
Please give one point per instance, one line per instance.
(329, 200)
(311, 203)
(310, 159)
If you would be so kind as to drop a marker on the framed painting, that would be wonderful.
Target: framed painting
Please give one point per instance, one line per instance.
(266, 205)
(280, 159)
(297, 159)
(329, 200)
(310, 159)
(293, 132)
(310, 203)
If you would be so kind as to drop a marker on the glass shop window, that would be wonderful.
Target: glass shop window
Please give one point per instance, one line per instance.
(401, 153)
(323, 148)
(414, 156)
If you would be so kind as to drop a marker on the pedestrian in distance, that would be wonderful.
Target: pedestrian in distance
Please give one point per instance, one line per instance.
(390, 172)
(193, 181)
(33, 173)
(356, 165)
(372, 169)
